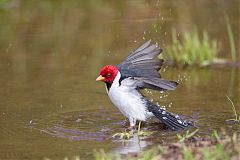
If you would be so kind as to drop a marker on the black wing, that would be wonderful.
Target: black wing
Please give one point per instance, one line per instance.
(143, 65)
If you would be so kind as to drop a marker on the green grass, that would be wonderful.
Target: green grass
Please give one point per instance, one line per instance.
(188, 135)
(231, 40)
(214, 148)
(197, 48)
(187, 153)
(236, 116)
(192, 49)
(2, 3)
(218, 152)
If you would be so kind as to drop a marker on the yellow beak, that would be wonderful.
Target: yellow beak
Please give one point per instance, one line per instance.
(100, 78)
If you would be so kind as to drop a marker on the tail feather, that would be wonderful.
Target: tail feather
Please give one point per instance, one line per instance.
(174, 122)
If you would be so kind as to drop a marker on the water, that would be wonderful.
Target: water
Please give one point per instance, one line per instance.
(50, 56)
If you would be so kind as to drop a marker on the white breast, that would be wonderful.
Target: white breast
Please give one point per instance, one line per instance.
(128, 100)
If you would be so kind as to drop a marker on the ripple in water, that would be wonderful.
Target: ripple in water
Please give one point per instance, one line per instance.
(88, 125)
(100, 125)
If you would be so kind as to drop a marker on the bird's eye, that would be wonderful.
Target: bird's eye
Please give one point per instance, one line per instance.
(108, 75)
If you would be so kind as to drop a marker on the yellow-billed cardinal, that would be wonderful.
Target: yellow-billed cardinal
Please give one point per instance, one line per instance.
(139, 70)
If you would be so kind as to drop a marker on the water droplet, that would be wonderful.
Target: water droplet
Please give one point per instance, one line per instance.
(9, 47)
(179, 121)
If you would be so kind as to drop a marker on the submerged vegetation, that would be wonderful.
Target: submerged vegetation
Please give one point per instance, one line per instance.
(125, 135)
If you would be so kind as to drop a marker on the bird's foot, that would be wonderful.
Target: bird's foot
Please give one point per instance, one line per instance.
(127, 133)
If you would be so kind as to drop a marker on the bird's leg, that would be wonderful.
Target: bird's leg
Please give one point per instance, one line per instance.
(132, 122)
(128, 132)
(129, 123)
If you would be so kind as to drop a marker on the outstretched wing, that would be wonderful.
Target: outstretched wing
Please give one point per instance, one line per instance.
(143, 66)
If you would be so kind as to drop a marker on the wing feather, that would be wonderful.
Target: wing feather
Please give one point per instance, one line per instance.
(146, 44)
(143, 57)
(143, 65)
(161, 84)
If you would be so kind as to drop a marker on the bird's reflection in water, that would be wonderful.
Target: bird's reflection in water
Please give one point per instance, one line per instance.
(133, 145)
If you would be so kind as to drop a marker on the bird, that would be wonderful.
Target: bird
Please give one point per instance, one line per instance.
(140, 70)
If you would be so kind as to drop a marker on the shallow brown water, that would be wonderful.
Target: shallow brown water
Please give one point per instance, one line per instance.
(50, 55)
